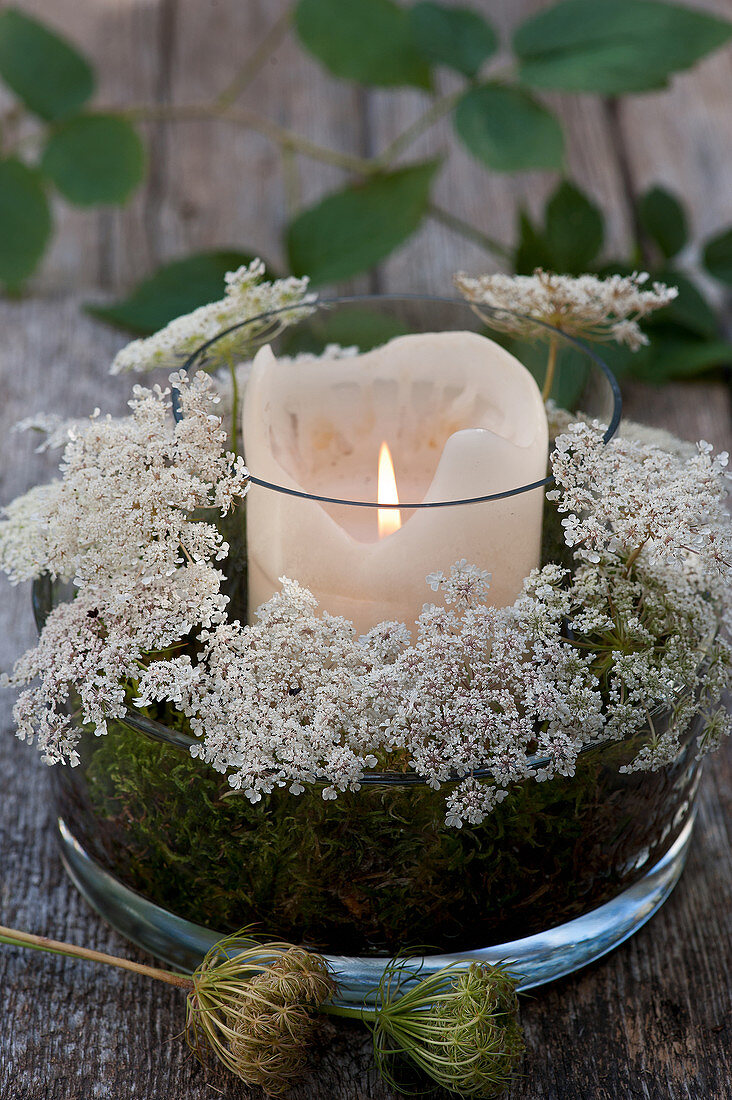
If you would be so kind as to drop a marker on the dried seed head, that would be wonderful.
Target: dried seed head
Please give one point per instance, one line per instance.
(459, 1026)
(254, 1008)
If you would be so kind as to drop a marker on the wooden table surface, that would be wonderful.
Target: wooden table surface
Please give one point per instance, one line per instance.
(654, 1020)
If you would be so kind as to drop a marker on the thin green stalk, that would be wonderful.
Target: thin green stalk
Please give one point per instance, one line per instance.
(256, 60)
(291, 177)
(465, 229)
(234, 436)
(439, 108)
(360, 1014)
(241, 116)
(551, 366)
(16, 938)
(288, 139)
(633, 557)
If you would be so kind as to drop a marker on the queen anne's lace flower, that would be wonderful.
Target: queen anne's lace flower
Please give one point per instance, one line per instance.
(624, 499)
(584, 305)
(247, 296)
(624, 643)
(120, 525)
(286, 701)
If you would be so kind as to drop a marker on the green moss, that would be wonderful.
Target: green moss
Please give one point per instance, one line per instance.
(374, 870)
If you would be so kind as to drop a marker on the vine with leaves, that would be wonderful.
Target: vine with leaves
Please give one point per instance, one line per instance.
(605, 47)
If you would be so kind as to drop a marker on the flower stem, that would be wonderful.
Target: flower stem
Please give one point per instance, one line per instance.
(633, 557)
(342, 1010)
(249, 120)
(256, 60)
(234, 436)
(16, 938)
(440, 107)
(551, 366)
(465, 229)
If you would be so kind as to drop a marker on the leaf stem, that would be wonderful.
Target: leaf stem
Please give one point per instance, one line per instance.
(256, 60)
(439, 108)
(242, 116)
(16, 938)
(465, 229)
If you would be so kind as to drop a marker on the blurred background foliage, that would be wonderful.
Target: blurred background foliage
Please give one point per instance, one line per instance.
(499, 114)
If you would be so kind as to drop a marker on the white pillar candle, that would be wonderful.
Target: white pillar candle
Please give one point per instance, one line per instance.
(461, 417)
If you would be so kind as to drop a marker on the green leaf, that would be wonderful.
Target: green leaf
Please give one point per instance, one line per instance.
(575, 230)
(365, 40)
(614, 46)
(718, 256)
(44, 70)
(173, 290)
(25, 221)
(459, 38)
(675, 355)
(94, 159)
(508, 130)
(664, 220)
(690, 311)
(532, 250)
(351, 230)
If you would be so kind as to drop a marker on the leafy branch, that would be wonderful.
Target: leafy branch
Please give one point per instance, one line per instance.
(497, 114)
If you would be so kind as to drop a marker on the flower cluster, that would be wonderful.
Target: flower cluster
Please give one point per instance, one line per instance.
(621, 641)
(120, 525)
(287, 701)
(653, 550)
(484, 689)
(247, 297)
(584, 306)
(626, 499)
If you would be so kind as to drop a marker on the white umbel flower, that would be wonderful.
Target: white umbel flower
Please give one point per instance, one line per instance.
(247, 296)
(583, 305)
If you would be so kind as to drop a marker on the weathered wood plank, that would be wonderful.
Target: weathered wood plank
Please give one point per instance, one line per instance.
(126, 43)
(654, 1019)
(681, 137)
(213, 184)
(210, 184)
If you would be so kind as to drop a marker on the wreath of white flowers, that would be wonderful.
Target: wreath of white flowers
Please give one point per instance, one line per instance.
(476, 698)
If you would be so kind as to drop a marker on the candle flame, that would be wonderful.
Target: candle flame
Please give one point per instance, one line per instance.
(389, 519)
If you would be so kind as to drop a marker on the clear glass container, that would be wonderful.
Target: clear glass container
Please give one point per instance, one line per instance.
(470, 473)
(557, 875)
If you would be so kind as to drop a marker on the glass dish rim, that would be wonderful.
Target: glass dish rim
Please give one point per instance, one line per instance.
(150, 727)
(158, 731)
(339, 300)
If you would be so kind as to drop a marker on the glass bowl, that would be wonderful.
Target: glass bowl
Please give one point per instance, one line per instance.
(557, 875)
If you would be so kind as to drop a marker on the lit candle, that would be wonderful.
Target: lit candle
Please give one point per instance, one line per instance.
(432, 417)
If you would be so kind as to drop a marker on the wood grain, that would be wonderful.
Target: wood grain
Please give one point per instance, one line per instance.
(212, 184)
(652, 1021)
